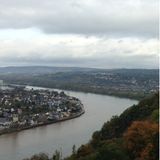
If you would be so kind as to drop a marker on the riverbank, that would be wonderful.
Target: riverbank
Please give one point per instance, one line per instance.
(129, 95)
(11, 130)
(31, 108)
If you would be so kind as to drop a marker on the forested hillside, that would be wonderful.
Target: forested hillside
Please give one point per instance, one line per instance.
(131, 136)
(130, 83)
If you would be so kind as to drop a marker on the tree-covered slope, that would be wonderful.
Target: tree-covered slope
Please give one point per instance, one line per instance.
(131, 83)
(131, 136)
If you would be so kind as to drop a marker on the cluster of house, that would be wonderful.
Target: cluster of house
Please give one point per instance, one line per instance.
(20, 107)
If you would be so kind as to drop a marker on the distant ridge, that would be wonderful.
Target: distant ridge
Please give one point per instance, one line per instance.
(40, 69)
(54, 69)
(130, 83)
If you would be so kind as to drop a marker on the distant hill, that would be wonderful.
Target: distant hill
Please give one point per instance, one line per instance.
(50, 69)
(39, 69)
(131, 83)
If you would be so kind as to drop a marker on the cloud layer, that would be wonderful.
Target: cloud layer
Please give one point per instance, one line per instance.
(86, 33)
(138, 18)
(81, 51)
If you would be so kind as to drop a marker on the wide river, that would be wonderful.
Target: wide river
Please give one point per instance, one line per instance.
(63, 135)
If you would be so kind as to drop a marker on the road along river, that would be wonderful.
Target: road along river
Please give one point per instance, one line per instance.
(63, 135)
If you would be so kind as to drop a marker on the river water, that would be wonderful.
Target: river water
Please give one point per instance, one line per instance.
(63, 135)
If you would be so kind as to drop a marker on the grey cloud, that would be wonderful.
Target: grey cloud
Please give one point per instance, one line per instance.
(97, 17)
(109, 61)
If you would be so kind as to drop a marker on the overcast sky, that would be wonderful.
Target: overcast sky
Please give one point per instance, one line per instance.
(80, 33)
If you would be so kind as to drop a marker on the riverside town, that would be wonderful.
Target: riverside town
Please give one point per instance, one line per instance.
(22, 108)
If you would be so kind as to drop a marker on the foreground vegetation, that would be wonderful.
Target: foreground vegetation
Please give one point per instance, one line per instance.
(131, 136)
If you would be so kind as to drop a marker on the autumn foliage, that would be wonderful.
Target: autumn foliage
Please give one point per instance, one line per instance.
(141, 140)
